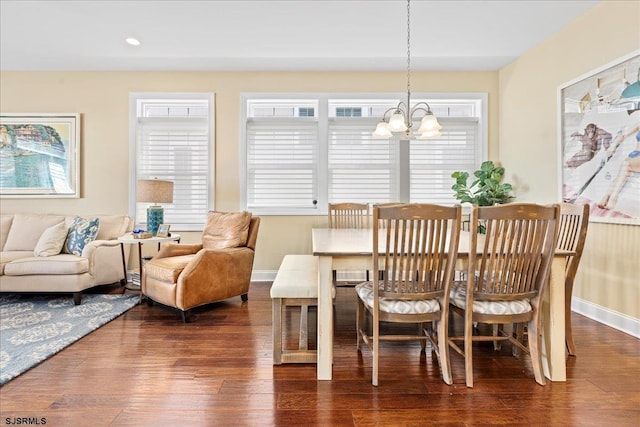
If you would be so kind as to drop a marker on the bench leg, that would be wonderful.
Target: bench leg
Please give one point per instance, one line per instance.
(276, 326)
(303, 343)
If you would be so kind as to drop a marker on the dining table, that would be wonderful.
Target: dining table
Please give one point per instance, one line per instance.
(348, 249)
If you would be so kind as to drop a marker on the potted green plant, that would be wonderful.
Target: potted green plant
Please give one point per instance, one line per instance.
(487, 189)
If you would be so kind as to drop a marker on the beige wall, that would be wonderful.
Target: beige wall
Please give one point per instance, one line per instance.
(103, 100)
(528, 142)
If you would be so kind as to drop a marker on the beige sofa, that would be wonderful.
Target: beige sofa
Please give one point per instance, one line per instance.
(100, 262)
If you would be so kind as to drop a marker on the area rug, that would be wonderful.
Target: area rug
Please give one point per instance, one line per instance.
(35, 327)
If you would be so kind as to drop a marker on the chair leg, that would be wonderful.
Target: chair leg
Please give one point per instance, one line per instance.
(376, 349)
(244, 297)
(571, 347)
(423, 343)
(185, 315)
(468, 349)
(443, 350)
(360, 320)
(519, 336)
(77, 298)
(497, 344)
(534, 350)
(568, 332)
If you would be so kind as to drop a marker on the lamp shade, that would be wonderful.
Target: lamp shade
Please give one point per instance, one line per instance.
(396, 122)
(382, 131)
(154, 191)
(429, 124)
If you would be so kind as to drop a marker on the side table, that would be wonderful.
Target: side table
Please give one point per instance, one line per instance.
(128, 239)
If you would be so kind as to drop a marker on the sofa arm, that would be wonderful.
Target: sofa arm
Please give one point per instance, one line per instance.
(105, 261)
(214, 275)
(177, 249)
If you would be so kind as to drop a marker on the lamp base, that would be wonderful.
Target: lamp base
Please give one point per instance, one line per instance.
(155, 217)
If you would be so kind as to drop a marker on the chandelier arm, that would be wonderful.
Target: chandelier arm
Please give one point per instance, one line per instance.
(418, 107)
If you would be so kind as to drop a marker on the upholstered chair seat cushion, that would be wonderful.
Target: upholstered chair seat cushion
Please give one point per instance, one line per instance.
(458, 298)
(168, 269)
(397, 306)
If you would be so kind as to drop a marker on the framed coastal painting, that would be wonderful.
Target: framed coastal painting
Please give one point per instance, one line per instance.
(600, 141)
(39, 155)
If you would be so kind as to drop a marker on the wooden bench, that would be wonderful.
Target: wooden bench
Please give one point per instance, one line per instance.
(296, 284)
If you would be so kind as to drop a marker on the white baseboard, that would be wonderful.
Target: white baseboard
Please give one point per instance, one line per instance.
(263, 275)
(614, 319)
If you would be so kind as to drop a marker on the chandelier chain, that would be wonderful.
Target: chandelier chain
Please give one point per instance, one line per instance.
(408, 53)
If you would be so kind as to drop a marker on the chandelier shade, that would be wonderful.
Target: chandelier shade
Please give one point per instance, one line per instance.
(401, 119)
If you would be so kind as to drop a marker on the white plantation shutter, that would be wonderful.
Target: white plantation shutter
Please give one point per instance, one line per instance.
(176, 149)
(434, 160)
(361, 169)
(282, 163)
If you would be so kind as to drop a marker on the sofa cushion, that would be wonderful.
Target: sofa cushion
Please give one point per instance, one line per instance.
(26, 230)
(5, 224)
(167, 269)
(57, 264)
(226, 230)
(8, 256)
(81, 232)
(52, 240)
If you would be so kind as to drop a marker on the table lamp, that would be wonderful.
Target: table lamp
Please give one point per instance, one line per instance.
(154, 191)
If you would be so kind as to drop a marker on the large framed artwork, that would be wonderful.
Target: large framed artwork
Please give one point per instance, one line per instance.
(600, 141)
(39, 155)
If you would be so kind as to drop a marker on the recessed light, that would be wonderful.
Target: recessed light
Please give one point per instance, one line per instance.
(132, 41)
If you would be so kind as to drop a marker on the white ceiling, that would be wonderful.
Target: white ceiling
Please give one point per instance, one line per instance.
(275, 35)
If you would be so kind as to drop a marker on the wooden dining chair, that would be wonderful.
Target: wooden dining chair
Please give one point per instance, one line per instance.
(572, 233)
(508, 269)
(348, 215)
(420, 244)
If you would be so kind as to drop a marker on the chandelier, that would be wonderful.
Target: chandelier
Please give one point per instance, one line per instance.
(401, 119)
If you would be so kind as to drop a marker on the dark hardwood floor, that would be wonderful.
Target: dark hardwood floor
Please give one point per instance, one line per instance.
(148, 368)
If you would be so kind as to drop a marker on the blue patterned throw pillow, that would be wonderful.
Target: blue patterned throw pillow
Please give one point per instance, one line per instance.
(82, 231)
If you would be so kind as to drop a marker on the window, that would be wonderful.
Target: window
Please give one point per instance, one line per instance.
(297, 164)
(173, 140)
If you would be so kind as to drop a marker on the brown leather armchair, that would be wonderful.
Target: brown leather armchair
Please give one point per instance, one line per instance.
(189, 275)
